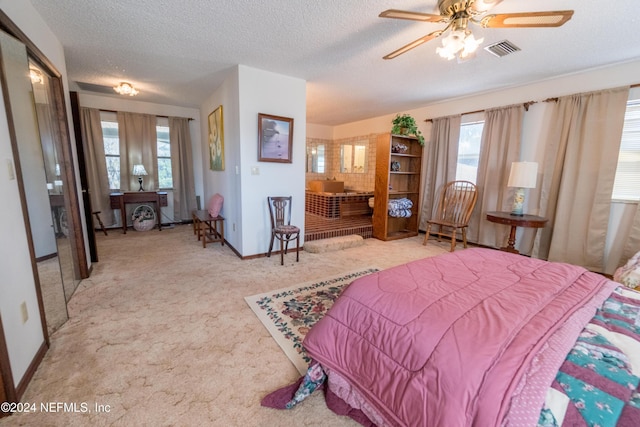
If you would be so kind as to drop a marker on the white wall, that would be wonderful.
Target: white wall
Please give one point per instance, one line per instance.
(270, 93)
(245, 93)
(226, 182)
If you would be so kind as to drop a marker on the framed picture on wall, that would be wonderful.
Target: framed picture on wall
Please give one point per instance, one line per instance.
(275, 138)
(216, 140)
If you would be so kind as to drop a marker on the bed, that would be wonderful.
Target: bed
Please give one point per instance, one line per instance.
(479, 338)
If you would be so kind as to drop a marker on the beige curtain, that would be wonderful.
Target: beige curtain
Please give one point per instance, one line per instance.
(632, 245)
(97, 177)
(501, 140)
(45, 126)
(138, 145)
(184, 193)
(579, 171)
(441, 160)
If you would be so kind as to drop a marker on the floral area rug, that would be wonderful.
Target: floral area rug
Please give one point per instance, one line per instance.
(289, 313)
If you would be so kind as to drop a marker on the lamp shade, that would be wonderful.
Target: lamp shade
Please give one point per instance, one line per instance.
(523, 175)
(139, 170)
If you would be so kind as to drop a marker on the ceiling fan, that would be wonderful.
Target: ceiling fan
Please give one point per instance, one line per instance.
(458, 13)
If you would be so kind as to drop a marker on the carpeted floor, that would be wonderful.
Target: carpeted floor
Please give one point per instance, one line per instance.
(160, 334)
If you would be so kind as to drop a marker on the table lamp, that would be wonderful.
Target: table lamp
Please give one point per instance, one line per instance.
(139, 171)
(523, 175)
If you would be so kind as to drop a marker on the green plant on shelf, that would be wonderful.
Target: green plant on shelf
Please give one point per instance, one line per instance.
(405, 124)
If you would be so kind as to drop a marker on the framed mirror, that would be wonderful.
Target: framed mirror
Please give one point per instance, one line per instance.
(316, 154)
(353, 157)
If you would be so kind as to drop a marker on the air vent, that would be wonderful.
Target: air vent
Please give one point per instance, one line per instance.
(90, 87)
(503, 48)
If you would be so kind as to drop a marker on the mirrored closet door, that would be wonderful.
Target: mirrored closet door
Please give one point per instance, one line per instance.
(21, 98)
(36, 112)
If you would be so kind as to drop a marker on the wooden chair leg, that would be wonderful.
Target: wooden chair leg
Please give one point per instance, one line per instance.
(298, 247)
(271, 244)
(453, 239)
(195, 224)
(426, 236)
(281, 251)
(464, 236)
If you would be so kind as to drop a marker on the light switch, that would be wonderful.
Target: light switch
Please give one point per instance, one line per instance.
(24, 312)
(12, 173)
(255, 170)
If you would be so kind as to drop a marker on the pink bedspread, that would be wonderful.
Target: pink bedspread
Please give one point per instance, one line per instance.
(444, 341)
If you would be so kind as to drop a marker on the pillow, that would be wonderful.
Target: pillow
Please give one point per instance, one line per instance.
(215, 205)
(629, 274)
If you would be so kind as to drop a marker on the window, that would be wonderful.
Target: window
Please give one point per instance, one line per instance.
(469, 151)
(112, 152)
(627, 182)
(165, 179)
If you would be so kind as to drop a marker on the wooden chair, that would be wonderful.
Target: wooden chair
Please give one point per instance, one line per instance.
(97, 215)
(455, 204)
(281, 228)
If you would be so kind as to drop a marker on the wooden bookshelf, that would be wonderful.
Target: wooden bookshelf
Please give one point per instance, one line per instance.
(398, 175)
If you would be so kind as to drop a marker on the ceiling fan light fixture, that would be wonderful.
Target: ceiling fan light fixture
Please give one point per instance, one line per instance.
(481, 6)
(460, 43)
(125, 88)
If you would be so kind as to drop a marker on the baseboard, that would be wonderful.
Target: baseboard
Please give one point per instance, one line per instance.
(31, 370)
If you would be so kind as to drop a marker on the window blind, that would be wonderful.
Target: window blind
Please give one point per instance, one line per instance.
(627, 181)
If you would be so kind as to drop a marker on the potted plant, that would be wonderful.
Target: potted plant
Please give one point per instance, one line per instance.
(406, 125)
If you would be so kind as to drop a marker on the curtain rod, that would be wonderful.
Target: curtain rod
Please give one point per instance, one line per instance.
(164, 117)
(525, 104)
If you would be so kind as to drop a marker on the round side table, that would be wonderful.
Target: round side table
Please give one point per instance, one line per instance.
(531, 221)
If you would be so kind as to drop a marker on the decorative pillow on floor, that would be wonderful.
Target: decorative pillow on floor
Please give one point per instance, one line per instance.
(629, 274)
(215, 204)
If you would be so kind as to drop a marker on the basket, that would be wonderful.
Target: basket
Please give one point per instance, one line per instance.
(144, 218)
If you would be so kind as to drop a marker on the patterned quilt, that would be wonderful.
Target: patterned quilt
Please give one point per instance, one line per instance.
(598, 383)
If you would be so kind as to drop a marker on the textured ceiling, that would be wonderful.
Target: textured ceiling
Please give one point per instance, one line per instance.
(178, 52)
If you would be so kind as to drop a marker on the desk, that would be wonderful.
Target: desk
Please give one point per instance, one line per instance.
(205, 227)
(120, 200)
(531, 221)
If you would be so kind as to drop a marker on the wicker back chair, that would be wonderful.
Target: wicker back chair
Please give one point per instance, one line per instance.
(281, 228)
(455, 204)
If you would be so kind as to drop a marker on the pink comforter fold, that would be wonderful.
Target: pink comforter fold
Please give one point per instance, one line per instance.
(427, 341)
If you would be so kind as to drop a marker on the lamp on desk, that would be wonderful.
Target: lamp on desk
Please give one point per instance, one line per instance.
(523, 175)
(139, 171)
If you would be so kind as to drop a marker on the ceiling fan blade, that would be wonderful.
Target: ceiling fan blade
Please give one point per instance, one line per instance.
(413, 44)
(528, 19)
(481, 6)
(412, 16)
